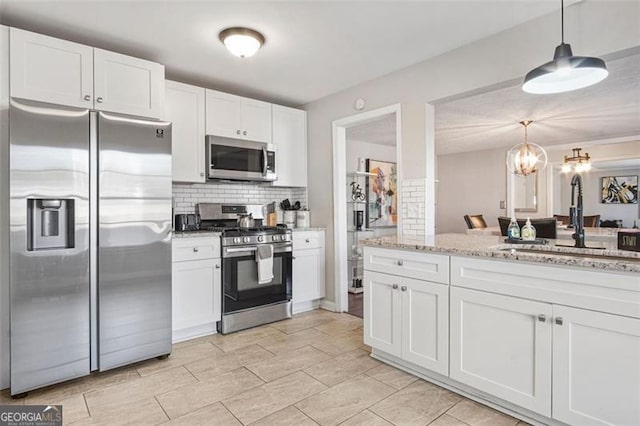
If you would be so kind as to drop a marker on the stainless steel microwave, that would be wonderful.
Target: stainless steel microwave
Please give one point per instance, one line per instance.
(240, 160)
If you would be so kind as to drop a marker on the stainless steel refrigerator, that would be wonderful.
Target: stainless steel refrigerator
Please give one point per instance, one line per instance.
(90, 242)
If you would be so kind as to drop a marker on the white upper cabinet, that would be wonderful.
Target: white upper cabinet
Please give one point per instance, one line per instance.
(51, 70)
(128, 85)
(184, 107)
(290, 140)
(233, 116)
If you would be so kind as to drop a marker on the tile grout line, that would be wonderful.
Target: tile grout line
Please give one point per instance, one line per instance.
(303, 413)
(162, 408)
(231, 412)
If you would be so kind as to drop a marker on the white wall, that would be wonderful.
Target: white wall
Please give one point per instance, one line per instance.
(503, 57)
(4, 207)
(591, 184)
(470, 183)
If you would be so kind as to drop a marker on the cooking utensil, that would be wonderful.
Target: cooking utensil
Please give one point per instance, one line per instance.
(246, 220)
(297, 205)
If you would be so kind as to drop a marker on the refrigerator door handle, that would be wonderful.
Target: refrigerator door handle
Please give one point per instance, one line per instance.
(93, 239)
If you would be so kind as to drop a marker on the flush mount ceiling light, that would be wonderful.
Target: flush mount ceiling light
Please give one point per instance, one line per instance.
(241, 42)
(577, 162)
(566, 72)
(526, 158)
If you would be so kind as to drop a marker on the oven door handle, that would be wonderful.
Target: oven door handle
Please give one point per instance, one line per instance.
(233, 251)
(239, 250)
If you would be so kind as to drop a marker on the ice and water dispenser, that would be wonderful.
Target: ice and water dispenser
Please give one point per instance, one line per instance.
(50, 224)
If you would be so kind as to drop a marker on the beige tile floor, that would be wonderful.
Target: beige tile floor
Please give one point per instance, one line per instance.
(312, 369)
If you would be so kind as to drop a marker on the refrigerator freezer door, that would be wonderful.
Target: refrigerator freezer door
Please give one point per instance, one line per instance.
(134, 239)
(49, 161)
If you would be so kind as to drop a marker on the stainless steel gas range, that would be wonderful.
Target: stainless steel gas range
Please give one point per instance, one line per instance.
(248, 301)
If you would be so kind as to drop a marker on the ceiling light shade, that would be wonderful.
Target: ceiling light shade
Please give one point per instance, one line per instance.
(241, 42)
(526, 158)
(565, 72)
(577, 162)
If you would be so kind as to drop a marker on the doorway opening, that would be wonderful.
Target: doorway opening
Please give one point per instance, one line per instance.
(367, 194)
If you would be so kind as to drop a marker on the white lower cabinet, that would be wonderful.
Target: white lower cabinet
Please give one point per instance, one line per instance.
(596, 368)
(407, 318)
(196, 284)
(308, 277)
(502, 346)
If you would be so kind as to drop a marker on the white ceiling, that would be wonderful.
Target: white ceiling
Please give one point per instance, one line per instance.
(379, 132)
(608, 110)
(313, 48)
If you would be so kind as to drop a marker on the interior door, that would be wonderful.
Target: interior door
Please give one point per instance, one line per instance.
(502, 345)
(596, 368)
(134, 262)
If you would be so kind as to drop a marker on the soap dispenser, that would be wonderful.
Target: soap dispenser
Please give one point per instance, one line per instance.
(513, 231)
(528, 231)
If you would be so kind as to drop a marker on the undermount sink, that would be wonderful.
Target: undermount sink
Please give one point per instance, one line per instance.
(592, 253)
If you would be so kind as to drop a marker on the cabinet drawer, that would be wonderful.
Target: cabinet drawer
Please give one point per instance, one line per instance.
(196, 248)
(421, 266)
(307, 240)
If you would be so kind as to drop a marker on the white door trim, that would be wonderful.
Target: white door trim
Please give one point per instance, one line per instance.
(340, 192)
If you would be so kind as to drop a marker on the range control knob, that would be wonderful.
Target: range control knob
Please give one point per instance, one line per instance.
(246, 239)
(237, 240)
(275, 238)
(260, 238)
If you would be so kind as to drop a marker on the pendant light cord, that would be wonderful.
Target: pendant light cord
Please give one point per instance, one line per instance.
(562, 19)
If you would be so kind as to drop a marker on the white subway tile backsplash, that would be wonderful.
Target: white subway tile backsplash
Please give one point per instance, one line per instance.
(186, 196)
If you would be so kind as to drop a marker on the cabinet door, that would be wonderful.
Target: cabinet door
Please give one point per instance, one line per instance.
(256, 120)
(196, 293)
(128, 85)
(502, 345)
(48, 69)
(290, 140)
(184, 107)
(382, 318)
(596, 368)
(224, 114)
(308, 275)
(425, 324)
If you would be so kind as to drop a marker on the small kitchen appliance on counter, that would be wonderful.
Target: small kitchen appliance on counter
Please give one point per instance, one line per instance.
(247, 300)
(187, 222)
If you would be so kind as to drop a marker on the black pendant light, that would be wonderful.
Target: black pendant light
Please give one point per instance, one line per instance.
(566, 72)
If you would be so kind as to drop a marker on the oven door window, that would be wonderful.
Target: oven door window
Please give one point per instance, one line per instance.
(225, 157)
(241, 287)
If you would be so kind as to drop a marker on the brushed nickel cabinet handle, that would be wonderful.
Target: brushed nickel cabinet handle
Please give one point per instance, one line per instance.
(403, 288)
(559, 320)
(87, 97)
(395, 286)
(195, 249)
(238, 132)
(400, 262)
(217, 266)
(99, 100)
(542, 318)
(244, 133)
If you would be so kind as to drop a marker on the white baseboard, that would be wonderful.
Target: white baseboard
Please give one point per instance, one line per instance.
(328, 306)
(193, 332)
(309, 305)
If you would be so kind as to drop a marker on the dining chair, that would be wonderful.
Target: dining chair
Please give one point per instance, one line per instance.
(475, 221)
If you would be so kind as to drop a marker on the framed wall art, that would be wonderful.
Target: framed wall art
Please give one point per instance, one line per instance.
(619, 190)
(382, 194)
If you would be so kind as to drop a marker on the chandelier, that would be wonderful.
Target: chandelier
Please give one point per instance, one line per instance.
(577, 162)
(526, 158)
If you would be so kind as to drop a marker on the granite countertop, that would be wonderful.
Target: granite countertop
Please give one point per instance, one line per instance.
(192, 234)
(494, 247)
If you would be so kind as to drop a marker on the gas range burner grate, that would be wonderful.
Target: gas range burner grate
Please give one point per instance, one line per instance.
(254, 230)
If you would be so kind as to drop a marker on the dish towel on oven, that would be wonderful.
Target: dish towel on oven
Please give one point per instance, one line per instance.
(264, 257)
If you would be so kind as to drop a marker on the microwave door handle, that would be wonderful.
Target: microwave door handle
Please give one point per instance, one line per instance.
(264, 161)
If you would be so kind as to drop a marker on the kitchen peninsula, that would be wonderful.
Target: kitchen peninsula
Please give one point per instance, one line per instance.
(549, 334)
